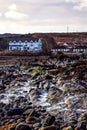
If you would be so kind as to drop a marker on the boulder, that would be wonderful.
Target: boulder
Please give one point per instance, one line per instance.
(22, 126)
(49, 120)
(15, 111)
(30, 119)
(49, 128)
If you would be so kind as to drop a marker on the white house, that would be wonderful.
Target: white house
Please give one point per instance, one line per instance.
(32, 44)
(80, 49)
(77, 49)
(60, 49)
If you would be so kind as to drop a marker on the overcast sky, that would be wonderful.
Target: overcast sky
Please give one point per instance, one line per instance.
(27, 16)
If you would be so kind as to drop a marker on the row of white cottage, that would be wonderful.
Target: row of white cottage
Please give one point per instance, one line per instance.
(77, 49)
(32, 44)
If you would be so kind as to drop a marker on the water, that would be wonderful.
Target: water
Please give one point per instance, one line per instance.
(17, 90)
(43, 99)
(22, 89)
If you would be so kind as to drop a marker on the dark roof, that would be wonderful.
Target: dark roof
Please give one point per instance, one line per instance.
(66, 47)
(80, 47)
(61, 47)
(23, 39)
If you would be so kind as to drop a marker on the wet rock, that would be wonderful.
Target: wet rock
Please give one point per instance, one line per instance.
(30, 119)
(71, 100)
(22, 126)
(82, 125)
(54, 95)
(46, 86)
(2, 105)
(27, 112)
(73, 121)
(34, 94)
(48, 77)
(69, 87)
(84, 115)
(49, 120)
(33, 91)
(53, 71)
(77, 128)
(15, 111)
(37, 125)
(20, 120)
(81, 119)
(8, 126)
(49, 128)
(34, 113)
(68, 128)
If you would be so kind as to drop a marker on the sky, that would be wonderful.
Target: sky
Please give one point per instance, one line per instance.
(31, 16)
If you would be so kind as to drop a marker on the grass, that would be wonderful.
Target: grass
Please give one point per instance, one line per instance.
(37, 70)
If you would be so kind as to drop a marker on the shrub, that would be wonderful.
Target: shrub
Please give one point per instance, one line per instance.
(37, 70)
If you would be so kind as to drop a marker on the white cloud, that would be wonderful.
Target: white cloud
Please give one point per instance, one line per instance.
(73, 1)
(82, 5)
(12, 13)
(15, 15)
(0, 14)
(79, 4)
(12, 7)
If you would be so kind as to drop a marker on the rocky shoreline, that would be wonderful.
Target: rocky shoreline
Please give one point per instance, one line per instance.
(43, 94)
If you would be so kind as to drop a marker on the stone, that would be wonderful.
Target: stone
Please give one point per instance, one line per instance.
(9, 127)
(46, 86)
(49, 120)
(34, 113)
(37, 125)
(49, 128)
(15, 111)
(81, 119)
(54, 95)
(77, 128)
(83, 125)
(22, 126)
(67, 128)
(30, 119)
(83, 115)
(27, 112)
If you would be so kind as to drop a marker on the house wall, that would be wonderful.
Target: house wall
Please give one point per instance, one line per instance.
(25, 45)
(69, 50)
(79, 50)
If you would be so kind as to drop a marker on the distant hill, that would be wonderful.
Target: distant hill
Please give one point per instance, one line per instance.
(50, 40)
(5, 35)
(66, 37)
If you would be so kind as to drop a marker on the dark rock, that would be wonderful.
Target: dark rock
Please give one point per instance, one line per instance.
(2, 105)
(27, 112)
(15, 111)
(22, 126)
(34, 113)
(46, 86)
(20, 120)
(49, 120)
(77, 128)
(49, 128)
(83, 125)
(68, 128)
(34, 94)
(83, 115)
(37, 125)
(48, 77)
(30, 119)
(54, 95)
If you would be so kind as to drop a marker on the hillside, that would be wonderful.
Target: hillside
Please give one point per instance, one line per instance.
(50, 40)
(66, 37)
